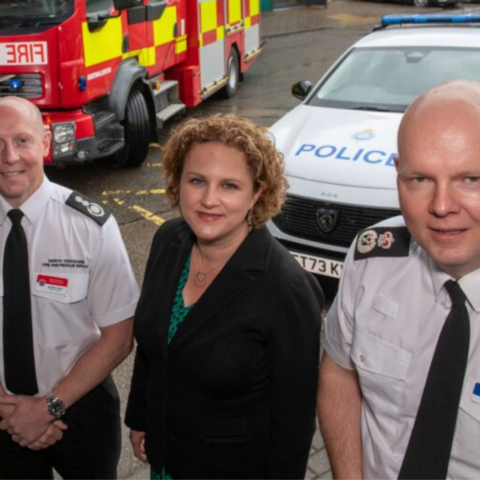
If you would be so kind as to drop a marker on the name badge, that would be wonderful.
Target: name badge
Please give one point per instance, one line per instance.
(476, 393)
(55, 285)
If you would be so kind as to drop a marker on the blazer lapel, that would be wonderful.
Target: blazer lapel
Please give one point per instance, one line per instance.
(240, 272)
(176, 257)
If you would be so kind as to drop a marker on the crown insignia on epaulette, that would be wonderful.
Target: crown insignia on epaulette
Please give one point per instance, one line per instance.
(382, 242)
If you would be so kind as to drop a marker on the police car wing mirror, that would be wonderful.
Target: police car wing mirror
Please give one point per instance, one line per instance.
(301, 89)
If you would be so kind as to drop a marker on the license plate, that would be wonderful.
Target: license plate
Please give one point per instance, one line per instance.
(318, 265)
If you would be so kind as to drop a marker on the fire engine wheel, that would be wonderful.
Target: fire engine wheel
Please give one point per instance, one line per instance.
(233, 74)
(137, 132)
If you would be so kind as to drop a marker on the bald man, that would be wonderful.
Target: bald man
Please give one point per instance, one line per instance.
(69, 295)
(399, 392)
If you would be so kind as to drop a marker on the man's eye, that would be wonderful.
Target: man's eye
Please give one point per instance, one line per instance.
(473, 179)
(419, 179)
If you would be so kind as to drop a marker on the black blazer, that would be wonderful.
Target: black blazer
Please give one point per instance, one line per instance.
(233, 395)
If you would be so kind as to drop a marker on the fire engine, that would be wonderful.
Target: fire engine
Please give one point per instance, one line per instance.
(107, 74)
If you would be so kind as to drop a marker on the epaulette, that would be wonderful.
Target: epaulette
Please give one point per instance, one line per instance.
(88, 207)
(382, 242)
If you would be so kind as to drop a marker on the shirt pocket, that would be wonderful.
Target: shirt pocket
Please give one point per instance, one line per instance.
(60, 287)
(60, 303)
(467, 433)
(382, 369)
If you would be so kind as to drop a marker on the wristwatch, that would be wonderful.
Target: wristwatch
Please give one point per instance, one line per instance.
(55, 405)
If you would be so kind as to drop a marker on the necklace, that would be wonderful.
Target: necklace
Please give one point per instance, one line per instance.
(201, 277)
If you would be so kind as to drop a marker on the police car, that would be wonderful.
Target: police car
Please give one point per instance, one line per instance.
(340, 143)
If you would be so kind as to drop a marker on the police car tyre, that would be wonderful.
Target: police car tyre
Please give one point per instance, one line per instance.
(421, 3)
(137, 132)
(233, 74)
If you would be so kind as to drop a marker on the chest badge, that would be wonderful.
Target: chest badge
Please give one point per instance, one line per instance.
(50, 284)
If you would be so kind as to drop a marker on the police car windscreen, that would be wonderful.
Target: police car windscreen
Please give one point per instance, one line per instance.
(391, 78)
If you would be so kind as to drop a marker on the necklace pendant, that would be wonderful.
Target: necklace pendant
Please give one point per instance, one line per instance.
(200, 279)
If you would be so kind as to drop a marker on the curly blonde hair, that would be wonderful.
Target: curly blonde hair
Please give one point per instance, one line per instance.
(255, 142)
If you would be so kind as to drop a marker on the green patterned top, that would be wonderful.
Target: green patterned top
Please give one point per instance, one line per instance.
(179, 312)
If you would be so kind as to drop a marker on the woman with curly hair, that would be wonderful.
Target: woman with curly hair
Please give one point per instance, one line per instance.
(227, 325)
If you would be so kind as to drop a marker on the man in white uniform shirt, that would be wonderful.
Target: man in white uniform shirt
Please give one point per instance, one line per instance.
(384, 332)
(58, 405)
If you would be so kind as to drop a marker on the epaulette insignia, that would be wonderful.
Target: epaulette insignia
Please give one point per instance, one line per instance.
(88, 207)
(382, 242)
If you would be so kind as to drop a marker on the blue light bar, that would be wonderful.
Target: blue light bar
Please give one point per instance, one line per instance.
(432, 18)
(15, 84)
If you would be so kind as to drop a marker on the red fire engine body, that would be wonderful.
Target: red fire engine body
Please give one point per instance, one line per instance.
(106, 74)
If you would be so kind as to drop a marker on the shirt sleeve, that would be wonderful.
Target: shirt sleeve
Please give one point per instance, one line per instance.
(338, 328)
(112, 291)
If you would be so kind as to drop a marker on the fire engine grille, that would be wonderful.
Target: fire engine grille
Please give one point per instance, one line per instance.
(299, 217)
(26, 85)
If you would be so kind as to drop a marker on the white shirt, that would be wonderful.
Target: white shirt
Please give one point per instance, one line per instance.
(385, 323)
(80, 279)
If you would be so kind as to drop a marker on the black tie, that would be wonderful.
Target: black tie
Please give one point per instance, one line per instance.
(19, 360)
(428, 451)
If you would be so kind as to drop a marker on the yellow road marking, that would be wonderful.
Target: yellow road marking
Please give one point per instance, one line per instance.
(148, 215)
(154, 164)
(352, 19)
(153, 191)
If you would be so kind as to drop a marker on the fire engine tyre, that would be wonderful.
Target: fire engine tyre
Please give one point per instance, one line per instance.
(233, 74)
(137, 132)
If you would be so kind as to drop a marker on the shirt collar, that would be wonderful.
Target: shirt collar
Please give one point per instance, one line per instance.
(469, 284)
(34, 205)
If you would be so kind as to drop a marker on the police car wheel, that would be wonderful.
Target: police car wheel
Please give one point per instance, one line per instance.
(233, 75)
(137, 132)
(421, 3)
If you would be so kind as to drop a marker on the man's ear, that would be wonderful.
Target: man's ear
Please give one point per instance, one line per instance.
(47, 139)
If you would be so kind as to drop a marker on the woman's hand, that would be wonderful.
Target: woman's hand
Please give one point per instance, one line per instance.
(138, 444)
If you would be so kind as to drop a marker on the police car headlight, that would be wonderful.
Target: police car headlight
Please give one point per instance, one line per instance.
(63, 137)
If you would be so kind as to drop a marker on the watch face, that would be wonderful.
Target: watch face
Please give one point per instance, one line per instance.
(55, 407)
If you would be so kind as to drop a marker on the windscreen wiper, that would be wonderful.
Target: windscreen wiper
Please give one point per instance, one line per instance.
(371, 108)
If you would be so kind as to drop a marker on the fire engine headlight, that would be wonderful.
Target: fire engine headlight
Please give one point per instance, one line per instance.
(63, 137)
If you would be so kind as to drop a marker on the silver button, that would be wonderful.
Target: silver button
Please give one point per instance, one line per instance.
(362, 358)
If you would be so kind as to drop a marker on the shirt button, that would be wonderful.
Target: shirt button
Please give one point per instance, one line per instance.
(362, 358)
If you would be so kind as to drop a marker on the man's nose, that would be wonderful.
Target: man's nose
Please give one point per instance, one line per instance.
(444, 201)
(8, 153)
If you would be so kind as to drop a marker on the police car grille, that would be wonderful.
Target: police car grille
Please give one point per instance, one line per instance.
(299, 218)
(30, 85)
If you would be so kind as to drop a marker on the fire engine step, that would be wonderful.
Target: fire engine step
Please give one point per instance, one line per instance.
(102, 119)
(170, 111)
(110, 146)
(165, 86)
